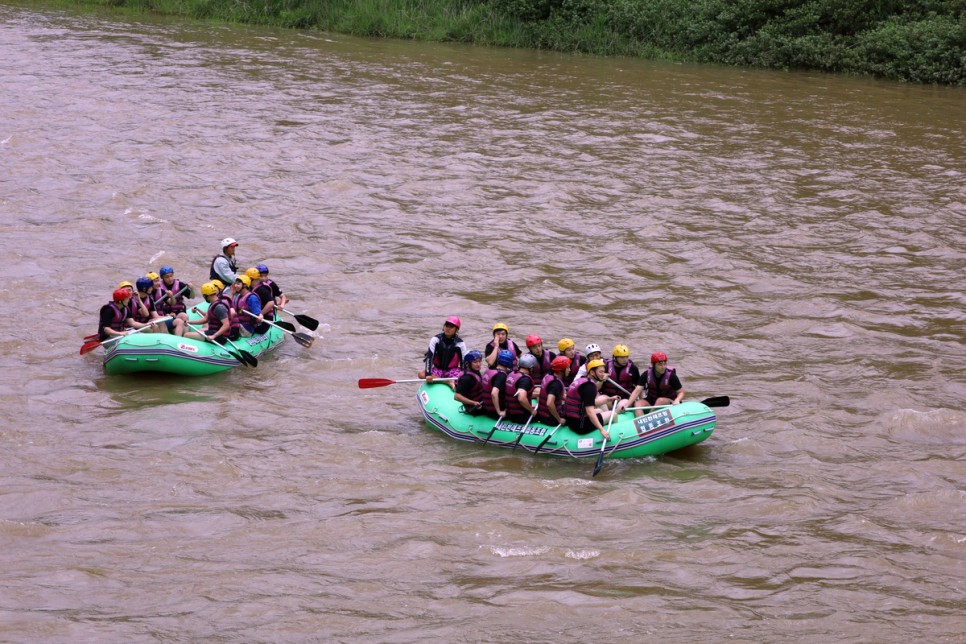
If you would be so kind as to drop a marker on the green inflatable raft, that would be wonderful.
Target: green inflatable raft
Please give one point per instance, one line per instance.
(166, 353)
(657, 432)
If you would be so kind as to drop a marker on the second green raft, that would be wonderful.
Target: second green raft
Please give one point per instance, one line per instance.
(657, 432)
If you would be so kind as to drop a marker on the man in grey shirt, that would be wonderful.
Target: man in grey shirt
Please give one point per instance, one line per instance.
(223, 266)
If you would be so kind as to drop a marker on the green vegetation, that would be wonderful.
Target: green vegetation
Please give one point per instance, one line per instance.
(922, 41)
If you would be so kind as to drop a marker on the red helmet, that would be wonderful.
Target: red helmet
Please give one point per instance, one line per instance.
(533, 339)
(658, 356)
(455, 321)
(560, 363)
(121, 294)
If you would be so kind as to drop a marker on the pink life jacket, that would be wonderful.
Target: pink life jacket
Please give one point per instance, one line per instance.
(623, 379)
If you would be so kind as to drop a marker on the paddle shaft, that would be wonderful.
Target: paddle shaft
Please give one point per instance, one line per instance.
(242, 356)
(371, 383)
(600, 459)
(516, 443)
(616, 384)
(90, 345)
(713, 401)
(544, 441)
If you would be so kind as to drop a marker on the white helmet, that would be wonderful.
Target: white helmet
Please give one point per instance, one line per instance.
(591, 348)
(228, 241)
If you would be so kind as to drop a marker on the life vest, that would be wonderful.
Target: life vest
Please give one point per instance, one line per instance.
(446, 355)
(574, 407)
(575, 363)
(543, 412)
(476, 392)
(623, 379)
(212, 275)
(162, 304)
(214, 323)
(120, 315)
(516, 352)
(264, 293)
(513, 406)
(485, 396)
(271, 285)
(148, 304)
(660, 389)
(542, 368)
(243, 303)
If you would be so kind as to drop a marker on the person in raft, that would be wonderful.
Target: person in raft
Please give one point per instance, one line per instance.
(280, 298)
(659, 385)
(245, 300)
(224, 267)
(544, 358)
(621, 370)
(469, 387)
(569, 350)
(593, 353)
(583, 398)
(264, 293)
(221, 319)
(168, 299)
(553, 392)
(518, 391)
(445, 354)
(115, 316)
(494, 397)
(145, 292)
(501, 341)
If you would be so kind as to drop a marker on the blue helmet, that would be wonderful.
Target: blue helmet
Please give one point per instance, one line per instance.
(165, 270)
(261, 268)
(473, 355)
(144, 283)
(505, 357)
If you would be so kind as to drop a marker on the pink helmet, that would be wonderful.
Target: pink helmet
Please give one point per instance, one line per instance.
(455, 321)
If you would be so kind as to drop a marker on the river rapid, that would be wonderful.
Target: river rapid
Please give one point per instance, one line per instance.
(795, 241)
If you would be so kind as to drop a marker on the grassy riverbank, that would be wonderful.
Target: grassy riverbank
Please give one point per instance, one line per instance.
(921, 41)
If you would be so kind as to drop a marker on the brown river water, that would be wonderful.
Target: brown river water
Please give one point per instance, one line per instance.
(795, 241)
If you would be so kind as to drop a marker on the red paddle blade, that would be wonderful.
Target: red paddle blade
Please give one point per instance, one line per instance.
(89, 346)
(370, 383)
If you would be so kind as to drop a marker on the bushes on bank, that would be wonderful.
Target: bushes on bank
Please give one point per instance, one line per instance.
(921, 41)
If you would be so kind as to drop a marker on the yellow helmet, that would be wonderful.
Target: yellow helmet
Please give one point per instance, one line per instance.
(153, 276)
(218, 284)
(565, 344)
(499, 326)
(253, 274)
(593, 364)
(126, 285)
(208, 288)
(621, 351)
(244, 279)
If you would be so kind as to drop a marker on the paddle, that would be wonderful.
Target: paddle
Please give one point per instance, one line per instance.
(309, 323)
(90, 345)
(713, 401)
(492, 430)
(371, 383)
(241, 356)
(600, 459)
(523, 431)
(544, 441)
(302, 338)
